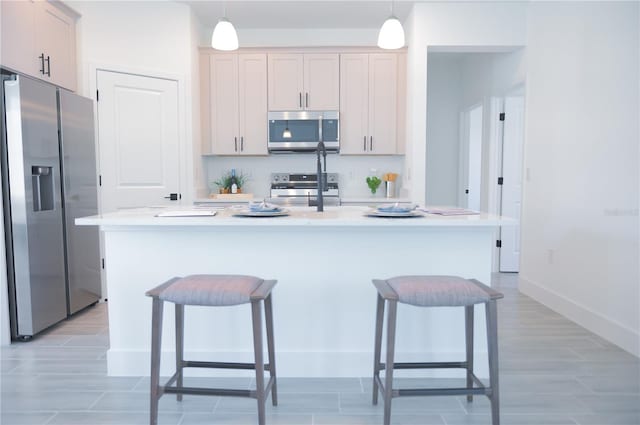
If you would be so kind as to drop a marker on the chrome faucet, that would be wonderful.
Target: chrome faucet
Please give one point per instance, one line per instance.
(321, 175)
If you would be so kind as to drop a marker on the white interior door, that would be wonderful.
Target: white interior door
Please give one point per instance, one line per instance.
(139, 140)
(470, 174)
(512, 181)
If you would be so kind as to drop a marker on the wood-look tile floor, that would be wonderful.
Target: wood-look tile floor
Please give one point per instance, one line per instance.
(552, 372)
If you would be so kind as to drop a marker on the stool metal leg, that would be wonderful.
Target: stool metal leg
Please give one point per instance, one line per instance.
(468, 328)
(391, 342)
(256, 314)
(156, 349)
(377, 347)
(268, 312)
(179, 308)
(492, 343)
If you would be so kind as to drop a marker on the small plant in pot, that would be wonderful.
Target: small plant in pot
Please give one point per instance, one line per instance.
(225, 182)
(373, 182)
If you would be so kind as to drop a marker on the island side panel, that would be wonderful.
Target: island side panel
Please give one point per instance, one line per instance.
(324, 302)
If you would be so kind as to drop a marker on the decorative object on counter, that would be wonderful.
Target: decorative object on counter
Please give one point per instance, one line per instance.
(389, 184)
(261, 209)
(396, 210)
(229, 179)
(373, 182)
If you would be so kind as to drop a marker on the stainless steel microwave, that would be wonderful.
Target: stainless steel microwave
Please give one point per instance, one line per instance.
(300, 131)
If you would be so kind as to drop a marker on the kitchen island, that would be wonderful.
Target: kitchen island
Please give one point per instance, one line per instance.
(324, 302)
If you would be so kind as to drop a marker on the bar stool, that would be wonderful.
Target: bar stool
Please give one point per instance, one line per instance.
(436, 291)
(215, 291)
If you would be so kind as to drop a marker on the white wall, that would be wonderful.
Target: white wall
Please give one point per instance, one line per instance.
(580, 226)
(465, 26)
(156, 38)
(444, 84)
(456, 82)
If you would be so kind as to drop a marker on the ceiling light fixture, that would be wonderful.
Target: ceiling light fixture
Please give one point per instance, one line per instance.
(224, 34)
(391, 35)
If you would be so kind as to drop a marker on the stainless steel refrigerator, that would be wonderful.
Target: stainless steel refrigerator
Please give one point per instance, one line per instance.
(48, 179)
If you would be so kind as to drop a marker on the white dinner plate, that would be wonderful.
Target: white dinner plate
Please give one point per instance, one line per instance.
(248, 213)
(376, 213)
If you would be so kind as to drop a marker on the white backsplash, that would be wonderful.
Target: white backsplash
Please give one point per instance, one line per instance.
(352, 170)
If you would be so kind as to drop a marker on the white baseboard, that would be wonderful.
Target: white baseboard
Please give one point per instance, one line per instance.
(614, 332)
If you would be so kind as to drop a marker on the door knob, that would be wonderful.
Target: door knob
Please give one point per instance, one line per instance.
(173, 197)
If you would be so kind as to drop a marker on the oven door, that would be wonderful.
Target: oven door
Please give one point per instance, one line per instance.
(300, 131)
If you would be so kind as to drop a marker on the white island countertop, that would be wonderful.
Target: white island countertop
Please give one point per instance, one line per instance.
(298, 216)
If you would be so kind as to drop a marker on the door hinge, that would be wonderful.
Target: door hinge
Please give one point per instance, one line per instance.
(103, 263)
(498, 243)
(500, 180)
(100, 180)
(466, 191)
(97, 95)
(502, 116)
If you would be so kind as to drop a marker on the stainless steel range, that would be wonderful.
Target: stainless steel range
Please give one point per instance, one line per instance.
(300, 188)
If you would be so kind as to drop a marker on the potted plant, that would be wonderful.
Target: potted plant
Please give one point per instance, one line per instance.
(225, 181)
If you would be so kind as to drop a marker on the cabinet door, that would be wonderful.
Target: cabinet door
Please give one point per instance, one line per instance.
(252, 89)
(354, 103)
(56, 39)
(321, 82)
(285, 82)
(224, 104)
(18, 39)
(383, 100)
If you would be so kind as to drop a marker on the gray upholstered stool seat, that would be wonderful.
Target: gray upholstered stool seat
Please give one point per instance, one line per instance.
(213, 291)
(435, 291)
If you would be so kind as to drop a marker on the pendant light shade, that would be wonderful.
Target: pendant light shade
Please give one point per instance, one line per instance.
(391, 34)
(224, 36)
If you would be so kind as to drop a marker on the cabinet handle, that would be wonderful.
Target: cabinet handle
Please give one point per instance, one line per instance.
(48, 66)
(242, 144)
(371, 143)
(42, 62)
(306, 98)
(235, 141)
(364, 143)
(300, 99)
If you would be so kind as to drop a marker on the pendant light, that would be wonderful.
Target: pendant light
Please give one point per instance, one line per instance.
(224, 34)
(391, 35)
(286, 134)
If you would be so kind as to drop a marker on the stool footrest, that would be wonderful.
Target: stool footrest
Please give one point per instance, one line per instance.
(429, 365)
(407, 392)
(210, 391)
(221, 365)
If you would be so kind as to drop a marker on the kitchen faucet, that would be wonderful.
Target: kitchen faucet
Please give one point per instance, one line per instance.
(321, 175)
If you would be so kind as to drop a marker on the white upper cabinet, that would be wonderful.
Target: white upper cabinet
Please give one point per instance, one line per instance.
(304, 82)
(369, 97)
(237, 123)
(39, 39)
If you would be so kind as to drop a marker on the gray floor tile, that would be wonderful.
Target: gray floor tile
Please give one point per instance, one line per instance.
(244, 419)
(25, 418)
(139, 402)
(396, 419)
(112, 418)
(507, 419)
(553, 372)
(609, 419)
(34, 401)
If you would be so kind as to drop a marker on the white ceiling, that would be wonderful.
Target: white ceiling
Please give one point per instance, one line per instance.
(246, 14)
